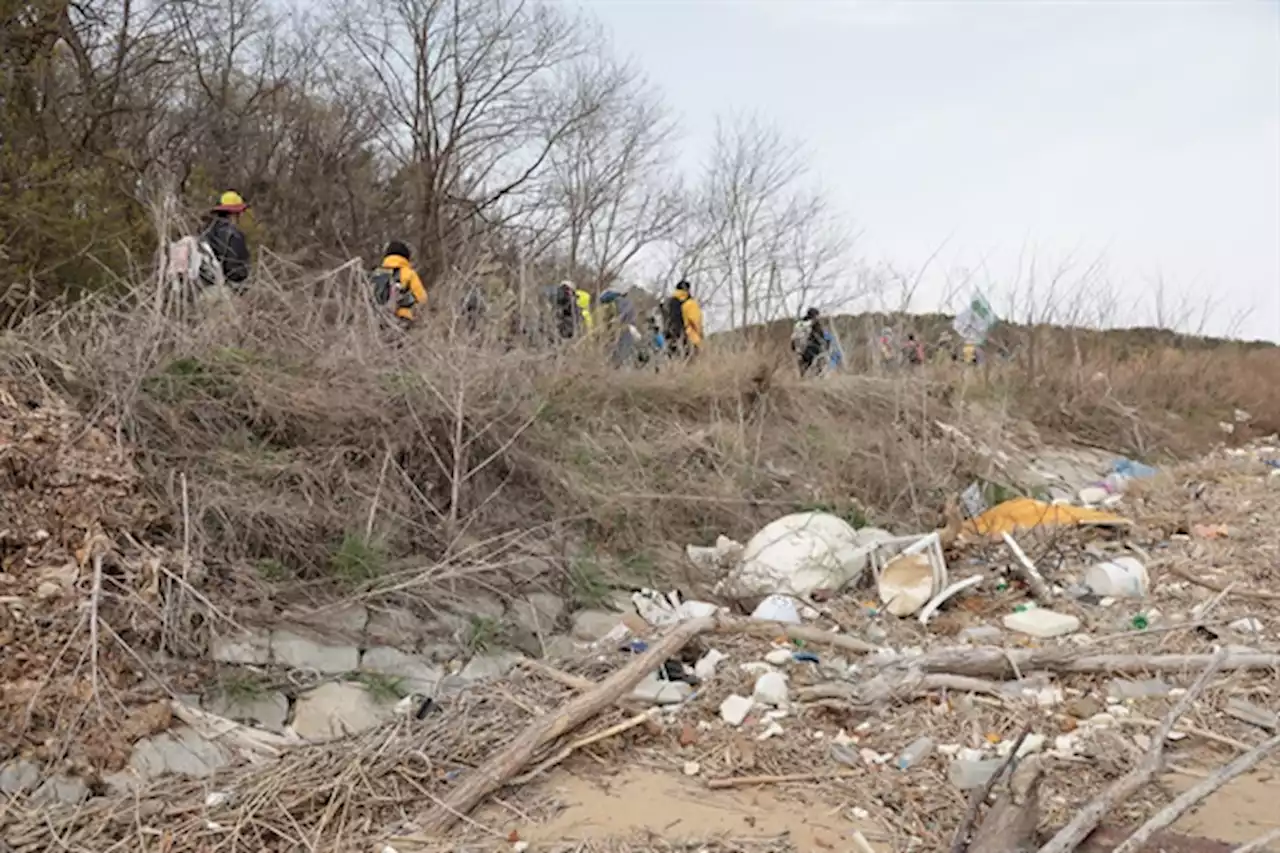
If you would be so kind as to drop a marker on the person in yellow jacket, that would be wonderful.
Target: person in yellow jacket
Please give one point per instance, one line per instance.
(395, 280)
(583, 298)
(683, 322)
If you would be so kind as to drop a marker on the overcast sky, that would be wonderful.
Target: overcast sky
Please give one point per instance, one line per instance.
(1146, 132)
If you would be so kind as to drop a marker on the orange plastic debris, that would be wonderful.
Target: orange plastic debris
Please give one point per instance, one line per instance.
(1029, 513)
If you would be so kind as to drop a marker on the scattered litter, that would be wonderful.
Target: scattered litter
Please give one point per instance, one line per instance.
(1028, 514)
(909, 580)
(1254, 715)
(777, 608)
(705, 668)
(734, 709)
(1038, 622)
(946, 595)
(1031, 744)
(968, 774)
(771, 689)
(859, 813)
(1092, 495)
(216, 798)
(661, 692)
(916, 752)
(798, 554)
(778, 657)
(663, 609)
(804, 657)
(1123, 577)
(1247, 625)
(973, 501)
(755, 667)
(692, 768)
(772, 730)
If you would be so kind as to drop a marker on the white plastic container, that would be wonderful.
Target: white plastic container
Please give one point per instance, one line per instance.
(1123, 577)
(1044, 624)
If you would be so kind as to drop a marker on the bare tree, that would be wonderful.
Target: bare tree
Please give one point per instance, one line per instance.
(612, 174)
(773, 243)
(472, 98)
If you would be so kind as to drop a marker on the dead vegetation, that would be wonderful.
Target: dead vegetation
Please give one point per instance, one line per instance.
(166, 472)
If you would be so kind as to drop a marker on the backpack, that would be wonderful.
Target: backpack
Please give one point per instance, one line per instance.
(191, 261)
(674, 317)
(386, 281)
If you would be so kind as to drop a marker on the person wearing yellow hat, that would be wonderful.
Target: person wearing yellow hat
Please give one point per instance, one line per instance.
(226, 241)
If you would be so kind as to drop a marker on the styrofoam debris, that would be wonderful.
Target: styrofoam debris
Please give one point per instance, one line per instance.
(778, 657)
(734, 709)
(771, 689)
(705, 668)
(1042, 623)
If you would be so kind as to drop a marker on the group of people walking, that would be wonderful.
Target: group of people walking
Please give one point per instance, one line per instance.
(217, 262)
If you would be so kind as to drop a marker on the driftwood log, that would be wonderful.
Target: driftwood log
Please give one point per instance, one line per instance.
(513, 758)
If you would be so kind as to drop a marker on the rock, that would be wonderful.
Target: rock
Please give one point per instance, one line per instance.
(299, 652)
(620, 600)
(1122, 689)
(488, 666)
(47, 590)
(1038, 622)
(967, 775)
(559, 647)
(268, 710)
(660, 692)
(414, 673)
(591, 625)
(181, 751)
(398, 628)
(734, 709)
(980, 635)
(18, 777)
(538, 613)
(251, 648)
(778, 657)
(61, 789)
(771, 689)
(1083, 708)
(337, 709)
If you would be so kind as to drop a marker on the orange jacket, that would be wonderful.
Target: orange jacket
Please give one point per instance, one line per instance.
(409, 280)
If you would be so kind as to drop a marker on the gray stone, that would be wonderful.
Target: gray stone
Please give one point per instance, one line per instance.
(181, 751)
(1122, 689)
(394, 627)
(299, 652)
(621, 601)
(415, 674)
(61, 789)
(337, 709)
(18, 777)
(251, 648)
(347, 621)
(268, 710)
(560, 647)
(539, 612)
(488, 666)
(523, 640)
(590, 625)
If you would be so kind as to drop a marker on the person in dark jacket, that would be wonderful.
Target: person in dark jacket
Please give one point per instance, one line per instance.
(810, 341)
(227, 241)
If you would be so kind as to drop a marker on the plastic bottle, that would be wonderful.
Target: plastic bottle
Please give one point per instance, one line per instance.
(913, 754)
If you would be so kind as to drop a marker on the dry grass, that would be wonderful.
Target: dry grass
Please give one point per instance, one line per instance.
(321, 450)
